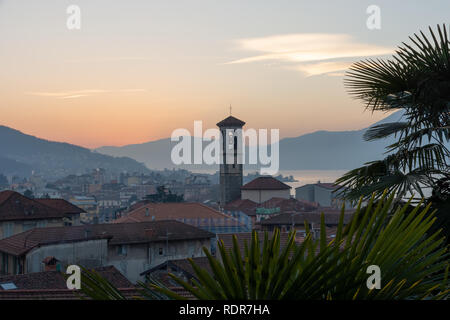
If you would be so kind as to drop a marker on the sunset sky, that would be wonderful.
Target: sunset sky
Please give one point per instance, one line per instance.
(137, 70)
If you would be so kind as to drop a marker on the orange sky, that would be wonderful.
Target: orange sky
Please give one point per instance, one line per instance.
(136, 73)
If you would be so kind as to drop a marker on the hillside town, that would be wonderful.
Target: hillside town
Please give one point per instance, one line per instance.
(136, 227)
(224, 159)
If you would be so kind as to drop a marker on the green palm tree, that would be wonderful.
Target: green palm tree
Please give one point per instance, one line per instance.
(413, 262)
(417, 81)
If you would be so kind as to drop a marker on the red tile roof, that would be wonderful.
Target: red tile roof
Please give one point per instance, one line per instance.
(14, 206)
(265, 183)
(246, 206)
(119, 233)
(231, 122)
(55, 279)
(62, 205)
(240, 204)
(331, 217)
(290, 204)
(172, 211)
(57, 294)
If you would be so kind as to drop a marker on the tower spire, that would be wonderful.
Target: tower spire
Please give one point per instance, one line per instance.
(230, 109)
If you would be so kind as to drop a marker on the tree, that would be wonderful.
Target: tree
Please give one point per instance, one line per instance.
(417, 81)
(413, 265)
(440, 201)
(164, 195)
(29, 194)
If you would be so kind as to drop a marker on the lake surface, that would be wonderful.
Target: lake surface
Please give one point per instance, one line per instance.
(311, 176)
(303, 176)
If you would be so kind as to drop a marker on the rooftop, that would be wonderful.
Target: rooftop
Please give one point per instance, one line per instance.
(56, 280)
(331, 217)
(61, 204)
(118, 233)
(231, 122)
(183, 265)
(265, 183)
(173, 211)
(15, 206)
(290, 204)
(51, 285)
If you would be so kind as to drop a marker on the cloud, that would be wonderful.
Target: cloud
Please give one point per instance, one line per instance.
(108, 59)
(80, 93)
(309, 51)
(330, 68)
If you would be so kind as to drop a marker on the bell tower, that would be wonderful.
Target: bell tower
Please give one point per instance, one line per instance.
(230, 168)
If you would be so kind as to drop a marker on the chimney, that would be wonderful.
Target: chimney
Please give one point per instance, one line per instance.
(50, 263)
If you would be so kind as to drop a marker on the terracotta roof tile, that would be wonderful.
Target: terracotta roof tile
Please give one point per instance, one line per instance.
(62, 205)
(265, 183)
(290, 204)
(14, 206)
(331, 217)
(55, 279)
(165, 211)
(119, 233)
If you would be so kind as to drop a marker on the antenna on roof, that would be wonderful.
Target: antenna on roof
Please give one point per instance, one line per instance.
(230, 109)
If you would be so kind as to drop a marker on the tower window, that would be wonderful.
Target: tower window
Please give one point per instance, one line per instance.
(230, 140)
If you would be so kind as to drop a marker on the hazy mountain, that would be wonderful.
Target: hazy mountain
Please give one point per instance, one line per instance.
(20, 153)
(320, 150)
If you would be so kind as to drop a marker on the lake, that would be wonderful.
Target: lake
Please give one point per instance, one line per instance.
(303, 176)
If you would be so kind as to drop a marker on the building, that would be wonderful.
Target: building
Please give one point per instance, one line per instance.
(264, 188)
(19, 213)
(51, 285)
(192, 213)
(242, 208)
(296, 220)
(130, 247)
(275, 206)
(89, 206)
(322, 193)
(182, 268)
(231, 170)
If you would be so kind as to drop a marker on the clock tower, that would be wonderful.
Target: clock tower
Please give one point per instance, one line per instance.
(231, 171)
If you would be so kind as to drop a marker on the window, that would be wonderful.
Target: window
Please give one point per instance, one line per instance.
(8, 229)
(42, 224)
(122, 250)
(8, 286)
(4, 263)
(161, 251)
(29, 225)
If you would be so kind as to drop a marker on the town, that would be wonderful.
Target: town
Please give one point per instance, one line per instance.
(136, 162)
(147, 225)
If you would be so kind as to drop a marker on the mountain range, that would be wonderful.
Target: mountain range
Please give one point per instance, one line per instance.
(20, 154)
(320, 150)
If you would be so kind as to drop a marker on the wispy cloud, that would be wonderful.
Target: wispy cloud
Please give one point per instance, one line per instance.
(80, 93)
(108, 59)
(330, 68)
(309, 51)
